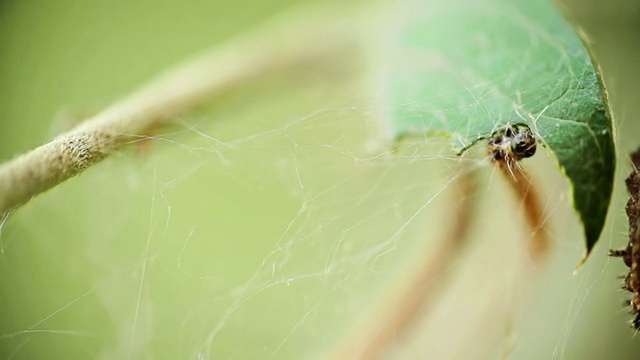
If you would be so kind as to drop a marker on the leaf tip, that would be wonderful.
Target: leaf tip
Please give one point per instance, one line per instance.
(582, 261)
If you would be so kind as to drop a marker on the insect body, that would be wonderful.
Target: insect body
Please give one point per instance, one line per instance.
(506, 147)
(514, 142)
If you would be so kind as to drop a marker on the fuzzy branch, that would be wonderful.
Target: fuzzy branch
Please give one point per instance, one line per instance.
(289, 40)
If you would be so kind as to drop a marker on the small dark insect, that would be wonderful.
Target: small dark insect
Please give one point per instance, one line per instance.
(507, 146)
(514, 142)
(631, 254)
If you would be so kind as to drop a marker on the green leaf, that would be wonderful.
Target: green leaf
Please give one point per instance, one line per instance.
(469, 68)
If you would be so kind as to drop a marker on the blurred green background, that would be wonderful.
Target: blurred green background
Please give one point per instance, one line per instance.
(278, 237)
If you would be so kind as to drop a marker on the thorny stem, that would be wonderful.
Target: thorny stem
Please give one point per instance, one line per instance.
(421, 289)
(290, 40)
(631, 253)
(525, 190)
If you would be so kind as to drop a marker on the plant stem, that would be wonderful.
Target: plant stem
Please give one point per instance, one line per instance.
(424, 282)
(525, 190)
(291, 39)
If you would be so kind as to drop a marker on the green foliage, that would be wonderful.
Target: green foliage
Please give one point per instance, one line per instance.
(264, 227)
(469, 68)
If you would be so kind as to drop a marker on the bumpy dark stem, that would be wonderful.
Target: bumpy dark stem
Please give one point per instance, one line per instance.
(631, 254)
